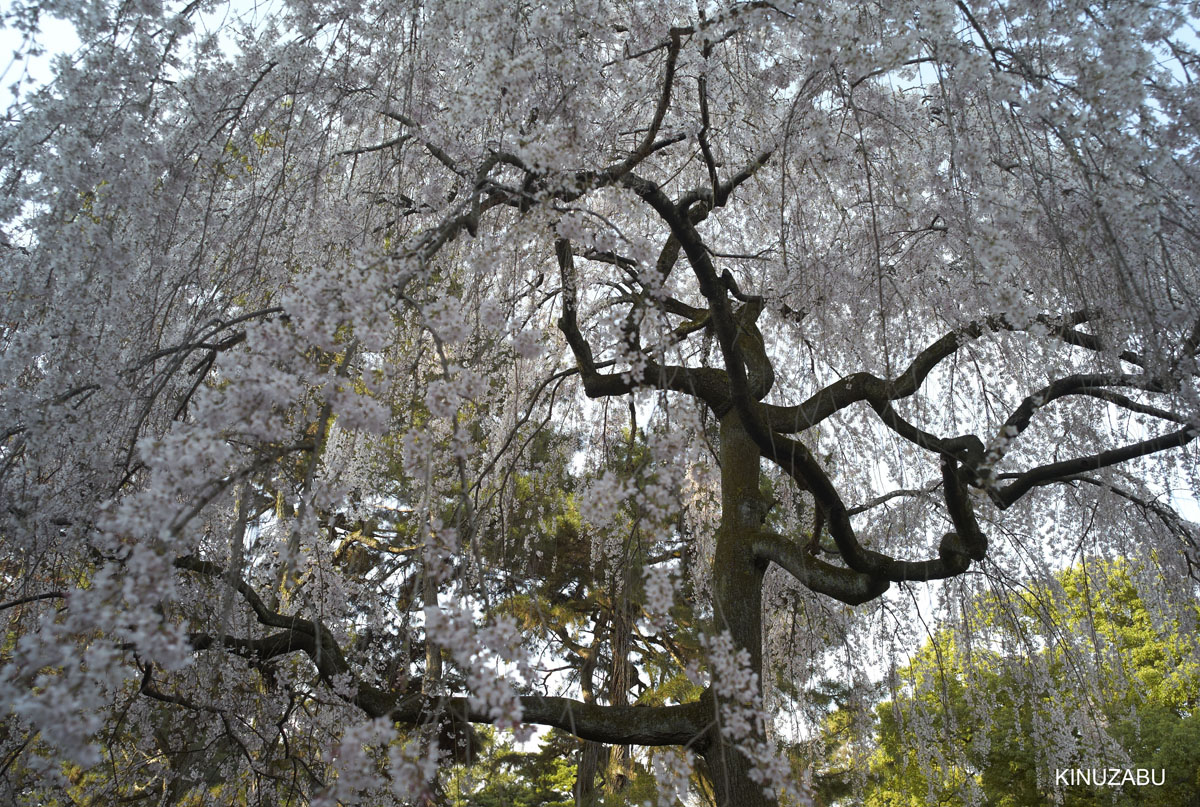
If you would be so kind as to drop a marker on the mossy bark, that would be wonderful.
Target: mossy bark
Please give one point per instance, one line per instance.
(737, 602)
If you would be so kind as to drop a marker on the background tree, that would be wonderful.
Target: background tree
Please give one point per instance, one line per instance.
(810, 312)
(1144, 697)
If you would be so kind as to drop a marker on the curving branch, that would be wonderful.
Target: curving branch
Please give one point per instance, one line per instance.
(647, 146)
(708, 384)
(1079, 384)
(955, 552)
(846, 585)
(969, 539)
(966, 448)
(742, 383)
(867, 387)
(878, 391)
(301, 634)
(678, 218)
(894, 494)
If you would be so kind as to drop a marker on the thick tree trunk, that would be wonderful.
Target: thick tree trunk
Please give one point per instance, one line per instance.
(737, 601)
(729, 773)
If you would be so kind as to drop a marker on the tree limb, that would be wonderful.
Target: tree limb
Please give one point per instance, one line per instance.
(846, 585)
(1006, 496)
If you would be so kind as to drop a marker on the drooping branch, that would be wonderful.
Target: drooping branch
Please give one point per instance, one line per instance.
(1185, 530)
(436, 151)
(263, 649)
(1134, 406)
(1067, 330)
(49, 595)
(299, 633)
(487, 194)
(204, 340)
(640, 725)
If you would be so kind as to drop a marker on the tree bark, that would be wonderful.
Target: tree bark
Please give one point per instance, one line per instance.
(617, 775)
(585, 776)
(737, 602)
(589, 756)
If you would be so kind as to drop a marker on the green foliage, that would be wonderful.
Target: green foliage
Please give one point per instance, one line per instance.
(970, 724)
(506, 777)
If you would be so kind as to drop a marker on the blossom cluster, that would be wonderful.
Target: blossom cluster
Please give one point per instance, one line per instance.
(743, 722)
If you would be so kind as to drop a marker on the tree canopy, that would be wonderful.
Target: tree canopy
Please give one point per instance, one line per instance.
(385, 381)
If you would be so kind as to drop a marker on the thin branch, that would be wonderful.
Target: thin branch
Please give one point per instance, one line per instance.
(438, 153)
(49, 595)
(894, 494)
